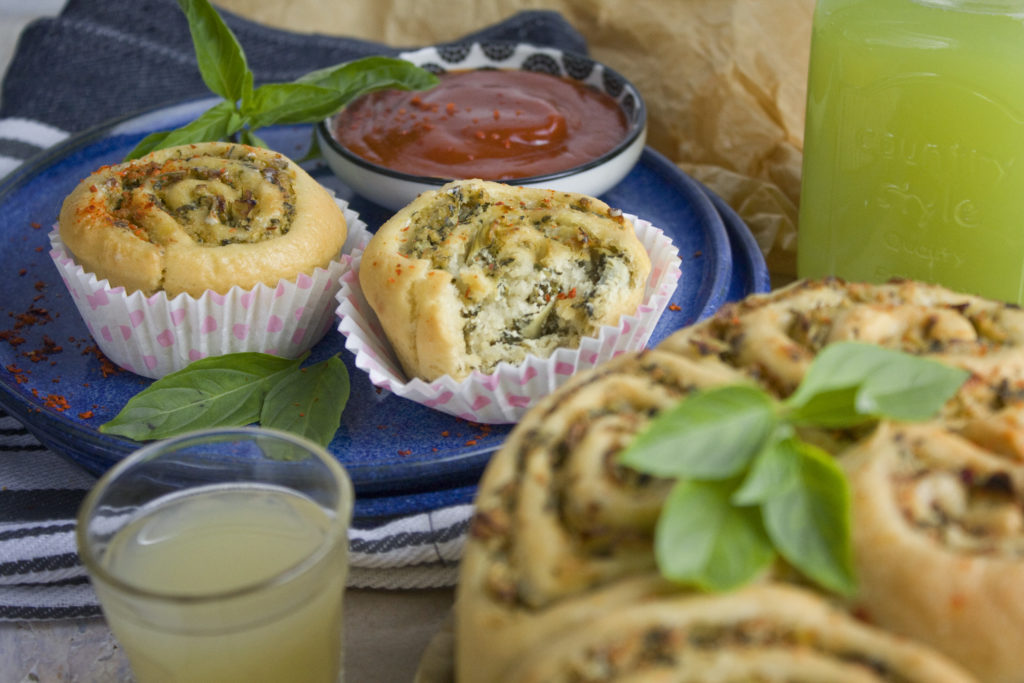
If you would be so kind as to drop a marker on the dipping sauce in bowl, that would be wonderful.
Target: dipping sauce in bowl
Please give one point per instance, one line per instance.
(510, 112)
(488, 123)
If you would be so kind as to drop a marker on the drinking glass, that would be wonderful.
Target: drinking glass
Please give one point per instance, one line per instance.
(221, 555)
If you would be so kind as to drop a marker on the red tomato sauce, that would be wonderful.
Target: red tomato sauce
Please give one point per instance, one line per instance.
(488, 124)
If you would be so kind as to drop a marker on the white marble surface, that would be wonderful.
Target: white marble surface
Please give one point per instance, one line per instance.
(385, 631)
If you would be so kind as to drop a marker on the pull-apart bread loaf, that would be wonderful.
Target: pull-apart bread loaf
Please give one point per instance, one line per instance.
(477, 273)
(201, 217)
(558, 573)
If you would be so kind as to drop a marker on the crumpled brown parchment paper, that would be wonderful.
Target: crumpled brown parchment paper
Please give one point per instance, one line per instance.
(724, 80)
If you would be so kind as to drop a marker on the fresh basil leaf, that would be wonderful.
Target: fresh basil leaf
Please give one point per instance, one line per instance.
(217, 391)
(291, 103)
(222, 62)
(250, 138)
(889, 383)
(701, 539)
(711, 434)
(808, 517)
(365, 75)
(219, 121)
(309, 402)
(773, 472)
(149, 143)
(911, 390)
(833, 408)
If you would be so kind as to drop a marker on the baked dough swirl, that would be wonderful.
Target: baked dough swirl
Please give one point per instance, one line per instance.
(201, 217)
(938, 526)
(478, 272)
(759, 633)
(563, 534)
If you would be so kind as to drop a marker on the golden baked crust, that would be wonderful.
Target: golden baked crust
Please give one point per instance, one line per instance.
(561, 530)
(758, 633)
(201, 217)
(938, 524)
(478, 272)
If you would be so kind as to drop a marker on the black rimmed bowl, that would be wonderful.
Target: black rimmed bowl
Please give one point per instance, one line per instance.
(394, 189)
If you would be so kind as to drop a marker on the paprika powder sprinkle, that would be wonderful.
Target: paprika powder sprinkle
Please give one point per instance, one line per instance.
(492, 124)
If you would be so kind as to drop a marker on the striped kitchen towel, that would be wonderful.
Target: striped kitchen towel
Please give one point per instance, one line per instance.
(42, 578)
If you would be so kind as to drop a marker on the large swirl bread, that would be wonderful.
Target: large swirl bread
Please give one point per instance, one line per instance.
(769, 632)
(562, 536)
(201, 217)
(938, 523)
(478, 272)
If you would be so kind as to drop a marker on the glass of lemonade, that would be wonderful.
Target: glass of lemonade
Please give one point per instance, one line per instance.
(222, 555)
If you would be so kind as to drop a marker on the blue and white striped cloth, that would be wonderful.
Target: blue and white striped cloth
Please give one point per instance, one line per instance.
(42, 578)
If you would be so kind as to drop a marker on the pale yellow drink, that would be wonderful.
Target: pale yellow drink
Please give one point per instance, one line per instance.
(279, 614)
(914, 146)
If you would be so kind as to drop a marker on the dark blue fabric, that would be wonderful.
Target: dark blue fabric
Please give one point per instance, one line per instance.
(101, 59)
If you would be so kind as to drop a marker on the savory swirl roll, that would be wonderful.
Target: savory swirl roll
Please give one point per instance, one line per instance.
(201, 217)
(477, 273)
(775, 336)
(938, 528)
(563, 533)
(759, 633)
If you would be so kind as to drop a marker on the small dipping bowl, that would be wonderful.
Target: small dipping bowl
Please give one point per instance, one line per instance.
(394, 189)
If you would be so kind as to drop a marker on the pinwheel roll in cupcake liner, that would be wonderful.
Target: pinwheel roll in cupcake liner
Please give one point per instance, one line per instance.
(155, 335)
(504, 395)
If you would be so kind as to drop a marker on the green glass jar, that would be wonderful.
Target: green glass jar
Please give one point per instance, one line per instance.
(914, 144)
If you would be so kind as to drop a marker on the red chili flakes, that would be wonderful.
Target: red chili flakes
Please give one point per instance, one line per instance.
(86, 415)
(674, 307)
(107, 368)
(36, 315)
(56, 402)
(48, 348)
(471, 442)
(405, 452)
(35, 225)
(445, 433)
(571, 294)
(23, 272)
(20, 376)
(11, 338)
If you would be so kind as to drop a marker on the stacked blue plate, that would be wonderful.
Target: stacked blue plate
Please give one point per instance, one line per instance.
(402, 457)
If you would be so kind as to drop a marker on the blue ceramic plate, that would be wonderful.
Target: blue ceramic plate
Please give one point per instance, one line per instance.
(402, 457)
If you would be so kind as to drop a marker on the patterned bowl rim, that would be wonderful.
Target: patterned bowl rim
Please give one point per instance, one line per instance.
(497, 54)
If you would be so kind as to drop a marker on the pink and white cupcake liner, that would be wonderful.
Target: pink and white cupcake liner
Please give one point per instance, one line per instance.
(505, 395)
(156, 335)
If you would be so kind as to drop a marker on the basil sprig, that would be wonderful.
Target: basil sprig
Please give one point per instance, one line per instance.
(244, 109)
(239, 389)
(748, 489)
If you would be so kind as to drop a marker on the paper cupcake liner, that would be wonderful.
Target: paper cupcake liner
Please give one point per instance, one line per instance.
(506, 394)
(156, 335)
